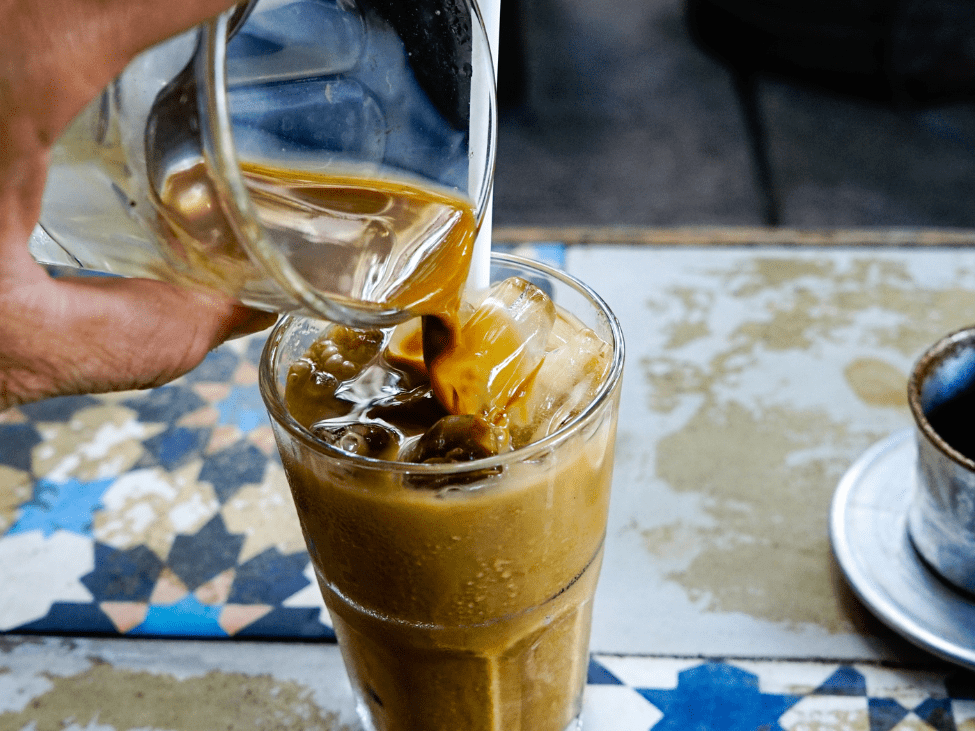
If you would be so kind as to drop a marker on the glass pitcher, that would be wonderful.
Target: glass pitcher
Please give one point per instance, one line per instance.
(331, 157)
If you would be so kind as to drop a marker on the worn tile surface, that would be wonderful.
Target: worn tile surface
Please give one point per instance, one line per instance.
(48, 685)
(755, 378)
(157, 513)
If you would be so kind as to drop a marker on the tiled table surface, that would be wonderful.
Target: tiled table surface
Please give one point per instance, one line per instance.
(755, 377)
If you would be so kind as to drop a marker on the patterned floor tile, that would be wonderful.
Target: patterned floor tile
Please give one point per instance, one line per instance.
(840, 712)
(171, 504)
(717, 695)
(61, 559)
(123, 575)
(17, 442)
(707, 695)
(618, 708)
(197, 558)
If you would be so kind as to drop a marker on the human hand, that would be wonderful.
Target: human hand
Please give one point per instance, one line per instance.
(82, 335)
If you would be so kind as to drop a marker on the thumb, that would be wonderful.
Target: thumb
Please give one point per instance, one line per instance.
(88, 335)
(59, 54)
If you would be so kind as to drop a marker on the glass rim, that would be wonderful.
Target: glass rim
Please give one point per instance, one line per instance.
(279, 413)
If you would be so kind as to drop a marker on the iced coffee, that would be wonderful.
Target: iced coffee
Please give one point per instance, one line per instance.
(452, 481)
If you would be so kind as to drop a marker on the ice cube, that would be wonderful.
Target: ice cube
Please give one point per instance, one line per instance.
(404, 351)
(336, 357)
(564, 330)
(364, 439)
(413, 412)
(345, 351)
(495, 351)
(566, 383)
(456, 439)
(310, 394)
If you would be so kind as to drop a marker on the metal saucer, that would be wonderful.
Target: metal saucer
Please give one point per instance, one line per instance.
(868, 530)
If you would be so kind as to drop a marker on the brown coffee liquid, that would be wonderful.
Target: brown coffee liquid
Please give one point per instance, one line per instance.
(389, 243)
(403, 246)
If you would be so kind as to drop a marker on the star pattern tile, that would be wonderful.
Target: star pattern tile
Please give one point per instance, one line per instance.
(197, 558)
(16, 444)
(58, 409)
(717, 697)
(165, 404)
(123, 576)
(66, 506)
(148, 500)
(230, 469)
(174, 447)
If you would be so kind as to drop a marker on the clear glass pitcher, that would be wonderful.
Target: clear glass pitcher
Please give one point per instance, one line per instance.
(332, 157)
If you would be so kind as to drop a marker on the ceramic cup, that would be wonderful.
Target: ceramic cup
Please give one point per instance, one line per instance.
(941, 520)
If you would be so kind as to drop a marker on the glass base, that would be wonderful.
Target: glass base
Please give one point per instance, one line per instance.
(365, 718)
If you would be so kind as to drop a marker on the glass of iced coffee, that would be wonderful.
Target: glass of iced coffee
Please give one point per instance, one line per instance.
(452, 484)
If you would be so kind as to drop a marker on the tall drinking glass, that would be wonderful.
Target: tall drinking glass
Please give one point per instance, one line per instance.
(461, 593)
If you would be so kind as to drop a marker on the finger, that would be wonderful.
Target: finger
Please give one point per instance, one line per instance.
(87, 335)
(56, 56)
(63, 52)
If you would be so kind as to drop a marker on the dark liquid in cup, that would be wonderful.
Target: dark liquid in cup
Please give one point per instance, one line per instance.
(952, 420)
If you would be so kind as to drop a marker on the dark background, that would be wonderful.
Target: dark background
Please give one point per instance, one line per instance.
(611, 114)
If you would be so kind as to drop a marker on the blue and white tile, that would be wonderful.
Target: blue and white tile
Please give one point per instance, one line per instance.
(62, 558)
